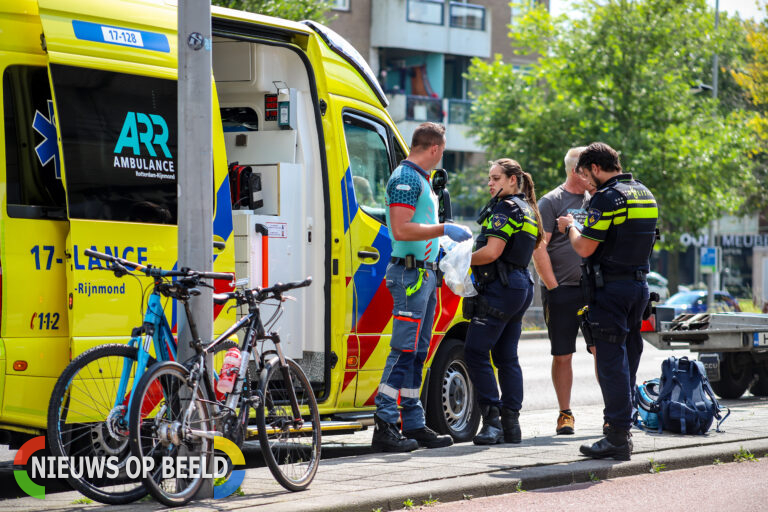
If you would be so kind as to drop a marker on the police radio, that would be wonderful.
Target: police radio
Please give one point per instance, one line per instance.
(487, 208)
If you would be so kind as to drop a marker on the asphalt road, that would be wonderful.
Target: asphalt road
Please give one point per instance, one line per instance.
(733, 487)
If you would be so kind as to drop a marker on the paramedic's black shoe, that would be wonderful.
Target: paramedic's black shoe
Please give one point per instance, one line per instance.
(428, 438)
(615, 445)
(387, 438)
(510, 422)
(492, 432)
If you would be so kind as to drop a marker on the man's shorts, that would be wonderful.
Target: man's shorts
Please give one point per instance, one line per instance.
(561, 306)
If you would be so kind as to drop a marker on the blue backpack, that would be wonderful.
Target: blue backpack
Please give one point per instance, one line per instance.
(686, 402)
(646, 394)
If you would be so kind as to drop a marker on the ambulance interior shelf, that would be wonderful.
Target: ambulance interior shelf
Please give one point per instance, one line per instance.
(254, 177)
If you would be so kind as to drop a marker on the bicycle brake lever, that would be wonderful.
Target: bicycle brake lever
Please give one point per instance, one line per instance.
(288, 297)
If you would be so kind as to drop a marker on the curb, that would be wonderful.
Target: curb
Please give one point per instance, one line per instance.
(506, 481)
(533, 335)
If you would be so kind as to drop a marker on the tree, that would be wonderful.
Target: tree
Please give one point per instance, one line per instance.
(297, 10)
(754, 78)
(623, 74)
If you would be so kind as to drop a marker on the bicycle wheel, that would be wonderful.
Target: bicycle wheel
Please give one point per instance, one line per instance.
(291, 451)
(160, 418)
(86, 427)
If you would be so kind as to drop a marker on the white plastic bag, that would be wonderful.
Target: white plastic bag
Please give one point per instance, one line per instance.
(455, 266)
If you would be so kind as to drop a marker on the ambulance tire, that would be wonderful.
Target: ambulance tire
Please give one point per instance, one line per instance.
(735, 376)
(97, 440)
(451, 405)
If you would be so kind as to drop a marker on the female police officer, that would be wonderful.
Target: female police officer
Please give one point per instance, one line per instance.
(500, 265)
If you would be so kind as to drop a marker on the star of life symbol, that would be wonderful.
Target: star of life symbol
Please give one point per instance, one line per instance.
(48, 149)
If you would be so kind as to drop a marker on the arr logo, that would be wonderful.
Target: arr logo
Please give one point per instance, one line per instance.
(154, 133)
(22, 477)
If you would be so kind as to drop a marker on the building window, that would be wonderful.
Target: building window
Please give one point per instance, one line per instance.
(520, 8)
(425, 11)
(340, 5)
(468, 16)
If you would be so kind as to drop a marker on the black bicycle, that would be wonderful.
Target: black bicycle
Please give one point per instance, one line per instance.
(176, 413)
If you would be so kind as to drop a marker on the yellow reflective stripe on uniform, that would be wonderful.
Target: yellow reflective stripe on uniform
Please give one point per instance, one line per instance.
(531, 228)
(515, 223)
(643, 213)
(509, 230)
(602, 224)
(641, 201)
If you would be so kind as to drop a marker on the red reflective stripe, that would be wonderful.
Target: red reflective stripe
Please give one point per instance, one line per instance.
(403, 205)
(418, 329)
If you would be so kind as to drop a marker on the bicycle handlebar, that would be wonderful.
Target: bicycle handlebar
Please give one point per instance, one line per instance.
(157, 271)
(278, 288)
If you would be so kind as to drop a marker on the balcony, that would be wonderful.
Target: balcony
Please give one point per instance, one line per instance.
(431, 26)
(408, 112)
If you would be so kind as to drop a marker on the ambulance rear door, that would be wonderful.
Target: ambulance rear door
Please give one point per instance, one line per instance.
(112, 69)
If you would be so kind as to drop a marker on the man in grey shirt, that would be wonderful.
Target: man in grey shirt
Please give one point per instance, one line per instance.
(559, 270)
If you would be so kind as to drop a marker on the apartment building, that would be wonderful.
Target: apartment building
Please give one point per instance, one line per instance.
(420, 49)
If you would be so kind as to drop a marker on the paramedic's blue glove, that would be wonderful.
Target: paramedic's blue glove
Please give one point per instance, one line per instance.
(457, 232)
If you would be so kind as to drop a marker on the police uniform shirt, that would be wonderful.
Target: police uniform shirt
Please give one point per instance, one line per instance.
(622, 217)
(513, 221)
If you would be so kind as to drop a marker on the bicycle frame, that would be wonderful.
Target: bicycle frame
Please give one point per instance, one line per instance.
(156, 330)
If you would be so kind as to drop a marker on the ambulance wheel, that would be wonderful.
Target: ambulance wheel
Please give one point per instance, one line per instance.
(735, 376)
(760, 387)
(451, 405)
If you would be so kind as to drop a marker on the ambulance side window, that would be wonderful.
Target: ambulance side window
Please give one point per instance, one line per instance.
(369, 162)
(119, 138)
(33, 174)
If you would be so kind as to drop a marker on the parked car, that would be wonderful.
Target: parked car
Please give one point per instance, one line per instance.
(658, 283)
(695, 301)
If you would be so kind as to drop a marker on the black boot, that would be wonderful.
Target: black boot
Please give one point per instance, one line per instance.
(428, 438)
(491, 433)
(510, 421)
(615, 445)
(387, 438)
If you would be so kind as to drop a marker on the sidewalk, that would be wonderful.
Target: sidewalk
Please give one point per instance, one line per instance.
(371, 481)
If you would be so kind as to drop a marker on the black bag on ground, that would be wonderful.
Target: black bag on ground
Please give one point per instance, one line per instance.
(686, 403)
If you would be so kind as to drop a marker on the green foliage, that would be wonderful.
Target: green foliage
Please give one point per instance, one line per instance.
(623, 74)
(744, 456)
(82, 501)
(717, 462)
(593, 477)
(657, 467)
(408, 503)
(429, 502)
(297, 10)
(519, 487)
(468, 497)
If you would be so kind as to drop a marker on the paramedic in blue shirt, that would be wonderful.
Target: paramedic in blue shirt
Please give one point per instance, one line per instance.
(414, 230)
(616, 240)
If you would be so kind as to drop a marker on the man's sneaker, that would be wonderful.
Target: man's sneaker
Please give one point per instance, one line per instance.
(428, 438)
(387, 438)
(565, 424)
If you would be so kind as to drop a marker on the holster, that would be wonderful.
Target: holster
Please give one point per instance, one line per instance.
(586, 326)
(478, 307)
(491, 272)
(587, 282)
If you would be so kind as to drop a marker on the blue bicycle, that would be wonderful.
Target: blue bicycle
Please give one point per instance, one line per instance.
(88, 412)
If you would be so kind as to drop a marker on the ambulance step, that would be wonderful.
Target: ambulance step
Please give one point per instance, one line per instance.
(326, 427)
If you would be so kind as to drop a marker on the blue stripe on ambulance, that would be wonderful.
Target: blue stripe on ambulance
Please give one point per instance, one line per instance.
(368, 278)
(348, 199)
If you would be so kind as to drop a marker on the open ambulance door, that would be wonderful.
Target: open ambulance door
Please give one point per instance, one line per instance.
(113, 79)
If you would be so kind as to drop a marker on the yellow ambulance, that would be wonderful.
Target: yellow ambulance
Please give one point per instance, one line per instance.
(302, 145)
